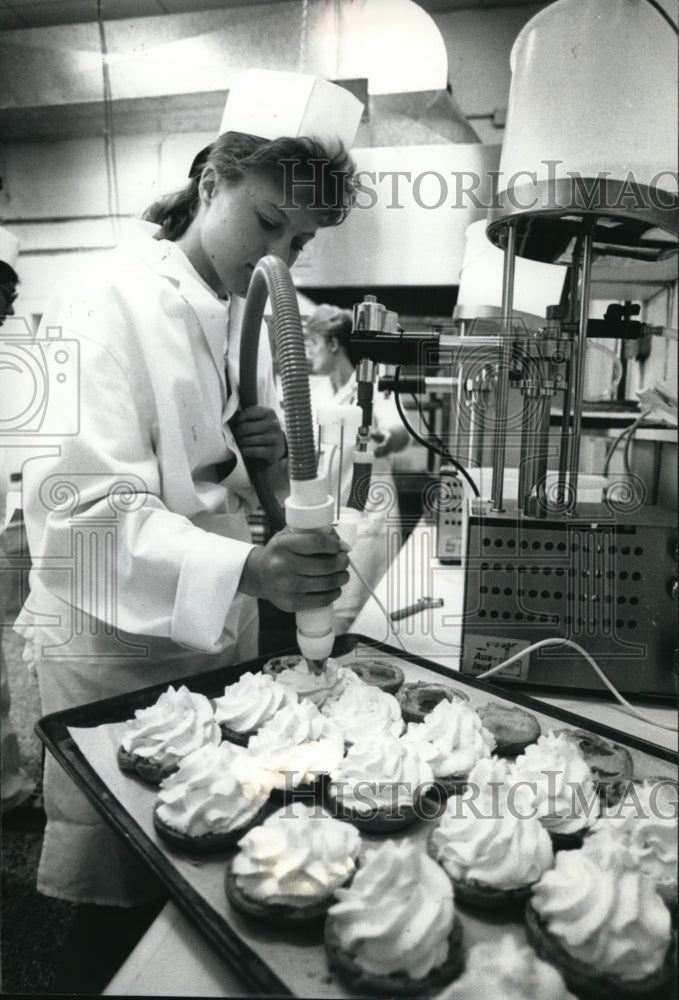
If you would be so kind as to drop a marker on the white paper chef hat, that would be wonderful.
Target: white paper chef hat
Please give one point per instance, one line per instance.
(271, 104)
(9, 248)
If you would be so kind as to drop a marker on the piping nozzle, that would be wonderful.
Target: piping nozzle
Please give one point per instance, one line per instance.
(316, 666)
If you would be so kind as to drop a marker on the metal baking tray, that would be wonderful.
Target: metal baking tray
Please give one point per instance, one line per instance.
(270, 962)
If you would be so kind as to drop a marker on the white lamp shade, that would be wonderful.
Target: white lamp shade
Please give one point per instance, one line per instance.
(594, 91)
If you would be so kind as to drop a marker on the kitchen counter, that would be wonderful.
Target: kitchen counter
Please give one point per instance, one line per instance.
(172, 959)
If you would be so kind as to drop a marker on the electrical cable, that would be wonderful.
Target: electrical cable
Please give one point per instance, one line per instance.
(595, 666)
(612, 448)
(379, 603)
(663, 13)
(444, 453)
(630, 430)
(628, 445)
(430, 446)
(529, 649)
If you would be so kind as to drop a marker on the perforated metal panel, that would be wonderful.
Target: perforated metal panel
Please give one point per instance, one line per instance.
(599, 577)
(451, 509)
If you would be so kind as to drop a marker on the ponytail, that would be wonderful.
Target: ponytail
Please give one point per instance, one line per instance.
(174, 212)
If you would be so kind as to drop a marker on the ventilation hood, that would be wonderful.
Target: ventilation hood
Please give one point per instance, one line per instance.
(422, 118)
(408, 227)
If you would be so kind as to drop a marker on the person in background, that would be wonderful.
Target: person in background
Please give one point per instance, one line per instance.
(160, 451)
(9, 279)
(327, 334)
(18, 790)
(377, 534)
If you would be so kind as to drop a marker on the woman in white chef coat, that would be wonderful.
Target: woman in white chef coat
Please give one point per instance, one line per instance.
(143, 567)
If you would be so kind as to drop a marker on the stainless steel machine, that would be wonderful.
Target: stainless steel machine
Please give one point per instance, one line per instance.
(548, 564)
(584, 175)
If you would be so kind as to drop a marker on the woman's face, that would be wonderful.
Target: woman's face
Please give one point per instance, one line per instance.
(319, 353)
(240, 222)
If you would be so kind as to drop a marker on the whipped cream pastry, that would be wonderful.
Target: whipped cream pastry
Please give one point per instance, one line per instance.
(298, 855)
(506, 970)
(251, 702)
(214, 790)
(451, 738)
(489, 773)
(179, 722)
(644, 825)
(380, 772)
(397, 914)
(610, 918)
(318, 687)
(555, 774)
(361, 709)
(484, 836)
(297, 745)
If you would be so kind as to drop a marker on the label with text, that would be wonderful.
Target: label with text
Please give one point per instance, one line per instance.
(483, 652)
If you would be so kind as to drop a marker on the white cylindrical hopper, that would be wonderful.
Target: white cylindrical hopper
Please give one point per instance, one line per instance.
(593, 96)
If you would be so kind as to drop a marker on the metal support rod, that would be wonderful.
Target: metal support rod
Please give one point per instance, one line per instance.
(478, 439)
(579, 379)
(457, 400)
(535, 502)
(339, 471)
(481, 395)
(526, 450)
(472, 428)
(575, 280)
(500, 436)
(565, 441)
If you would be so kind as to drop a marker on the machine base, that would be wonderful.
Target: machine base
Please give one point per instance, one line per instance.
(601, 577)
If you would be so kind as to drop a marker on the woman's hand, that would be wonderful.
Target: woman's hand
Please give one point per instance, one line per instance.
(388, 440)
(297, 570)
(258, 434)
(382, 442)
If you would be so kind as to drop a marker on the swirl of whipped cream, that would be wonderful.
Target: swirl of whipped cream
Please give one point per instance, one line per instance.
(318, 688)
(648, 835)
(397, 914)
(251, 702)
(380, 772)
(560, 783)
(361, 709)
(612, 919)
(206, 794)
(179, 722)
(481, 839)
(488, 772)
(298, 855)
(507, 970)
(297, 745)
(451, 738)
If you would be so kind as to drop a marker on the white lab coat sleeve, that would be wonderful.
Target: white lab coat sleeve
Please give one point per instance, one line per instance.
(161, 575)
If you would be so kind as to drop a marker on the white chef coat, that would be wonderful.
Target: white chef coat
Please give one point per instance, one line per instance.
(137, 544)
